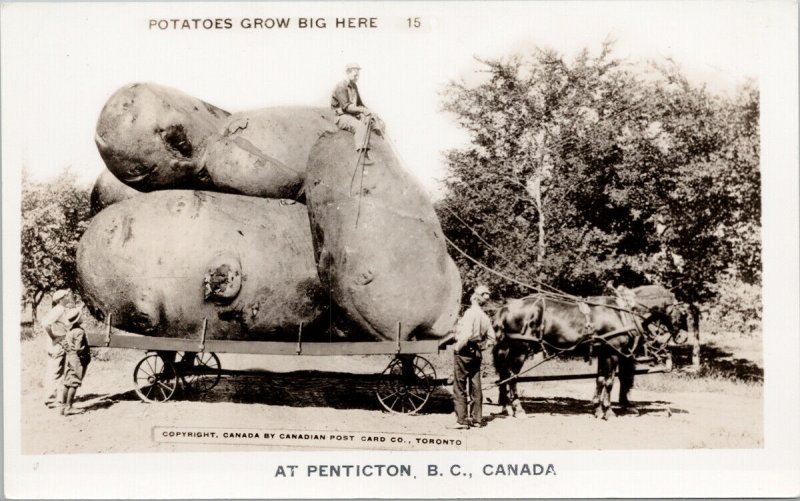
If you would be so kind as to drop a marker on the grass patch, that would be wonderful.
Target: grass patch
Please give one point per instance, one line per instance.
(680, 381)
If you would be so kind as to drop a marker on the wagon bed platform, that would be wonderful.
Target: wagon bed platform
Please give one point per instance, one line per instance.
(150, 343)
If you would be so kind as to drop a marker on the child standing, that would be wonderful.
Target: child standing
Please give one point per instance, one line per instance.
(78, 355)
(54, 326)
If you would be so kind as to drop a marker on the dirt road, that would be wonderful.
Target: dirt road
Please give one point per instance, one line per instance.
(306, 394)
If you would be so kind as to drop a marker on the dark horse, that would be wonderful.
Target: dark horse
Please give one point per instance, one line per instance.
(609, 328)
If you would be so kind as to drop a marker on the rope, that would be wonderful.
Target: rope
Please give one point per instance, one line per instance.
(542, 287)
(448, 209)
(552, 294)
(505, 258)
(648, 341)
(558, 353)
(568, 298)
(362, 157)
(395, 210)
(503, 276)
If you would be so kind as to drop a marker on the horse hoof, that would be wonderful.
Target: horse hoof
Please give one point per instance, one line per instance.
(608, 414)
(598, 413)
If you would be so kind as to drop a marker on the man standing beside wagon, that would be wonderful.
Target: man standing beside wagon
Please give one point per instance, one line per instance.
(473, 331)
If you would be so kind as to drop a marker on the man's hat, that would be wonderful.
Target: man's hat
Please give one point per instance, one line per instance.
(60, 294)
(352, 66)
(481, 289)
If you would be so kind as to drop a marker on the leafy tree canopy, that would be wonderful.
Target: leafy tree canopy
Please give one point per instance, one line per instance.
(597, 169)
(54, 216)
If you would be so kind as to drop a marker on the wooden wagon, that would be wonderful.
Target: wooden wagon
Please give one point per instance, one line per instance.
(171, 364)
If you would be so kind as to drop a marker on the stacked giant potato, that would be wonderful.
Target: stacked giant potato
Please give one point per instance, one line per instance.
(252, 222)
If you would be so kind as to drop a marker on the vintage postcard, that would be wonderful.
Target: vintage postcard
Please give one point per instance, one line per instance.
(400, 249)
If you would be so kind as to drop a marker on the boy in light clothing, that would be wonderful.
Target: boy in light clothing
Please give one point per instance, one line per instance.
(78, 355)
(53, 324)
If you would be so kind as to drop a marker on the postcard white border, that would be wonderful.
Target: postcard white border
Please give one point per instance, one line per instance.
(770, 471)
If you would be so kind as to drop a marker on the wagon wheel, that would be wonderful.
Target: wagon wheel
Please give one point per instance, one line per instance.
(202, 373)
(406, 389)
(155, 378)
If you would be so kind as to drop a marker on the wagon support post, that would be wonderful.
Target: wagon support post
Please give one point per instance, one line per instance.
(300, 339)
(399, 328)
(202, 346)
(108, 331)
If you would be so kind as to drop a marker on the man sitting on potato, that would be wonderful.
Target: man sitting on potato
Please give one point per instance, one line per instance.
(351, 114)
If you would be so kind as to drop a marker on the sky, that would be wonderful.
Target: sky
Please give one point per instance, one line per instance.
(61, 62)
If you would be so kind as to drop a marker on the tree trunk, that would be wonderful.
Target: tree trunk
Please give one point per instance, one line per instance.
(37, 300)
(540, 249)
(535, 192)
(694, 329)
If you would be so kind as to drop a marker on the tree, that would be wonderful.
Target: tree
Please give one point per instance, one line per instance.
(54, 216)
(601, 169)
(546, 144)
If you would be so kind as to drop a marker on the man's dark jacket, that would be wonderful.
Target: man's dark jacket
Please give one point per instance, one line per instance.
(340, 99)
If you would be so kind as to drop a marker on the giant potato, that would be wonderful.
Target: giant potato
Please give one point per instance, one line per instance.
(108, 190)
(160, 263)
(379, 250)
(153, 137)
(264, 153)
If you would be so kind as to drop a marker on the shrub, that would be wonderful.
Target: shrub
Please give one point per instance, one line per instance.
(737, 307)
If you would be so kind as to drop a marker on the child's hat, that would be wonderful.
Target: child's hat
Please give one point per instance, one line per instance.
(72, 316)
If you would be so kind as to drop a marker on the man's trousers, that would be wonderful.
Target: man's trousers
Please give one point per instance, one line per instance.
(467, 367)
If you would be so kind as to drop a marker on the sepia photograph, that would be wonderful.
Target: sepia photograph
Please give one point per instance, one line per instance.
(400, 249)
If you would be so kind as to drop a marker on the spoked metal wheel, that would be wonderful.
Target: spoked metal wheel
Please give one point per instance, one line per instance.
(406, 385)
(155, 378)
(200, 371)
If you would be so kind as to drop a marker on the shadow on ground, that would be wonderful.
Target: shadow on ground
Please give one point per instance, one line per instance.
(314, 389)
(715, 361)
(567, 406)
(96, 401)
(294, 389)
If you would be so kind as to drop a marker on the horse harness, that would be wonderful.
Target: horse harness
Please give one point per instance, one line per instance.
(589, 331)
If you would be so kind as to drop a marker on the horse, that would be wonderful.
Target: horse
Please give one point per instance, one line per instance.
(609, 328)
(656, 305)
